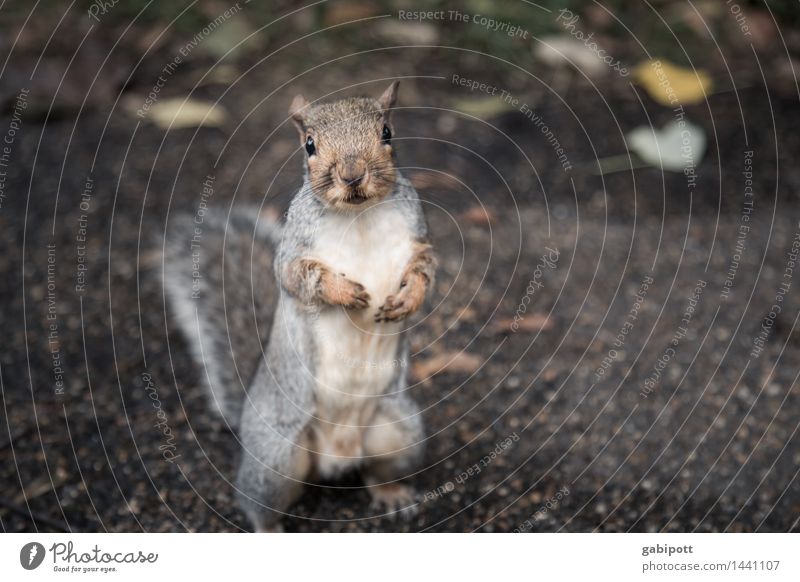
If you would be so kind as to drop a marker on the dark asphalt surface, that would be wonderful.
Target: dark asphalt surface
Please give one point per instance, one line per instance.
(713, 446)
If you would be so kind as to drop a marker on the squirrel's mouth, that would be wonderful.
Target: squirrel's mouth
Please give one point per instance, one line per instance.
(356, 197)
(357, 191)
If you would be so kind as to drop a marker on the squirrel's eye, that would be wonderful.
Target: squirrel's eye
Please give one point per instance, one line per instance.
(386, 134)
(310, 147)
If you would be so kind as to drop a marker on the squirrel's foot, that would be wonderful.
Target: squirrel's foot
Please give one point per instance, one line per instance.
(339, 290)
(395, 499)
(407, 301)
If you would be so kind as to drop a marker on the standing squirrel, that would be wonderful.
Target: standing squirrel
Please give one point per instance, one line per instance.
(328, 393)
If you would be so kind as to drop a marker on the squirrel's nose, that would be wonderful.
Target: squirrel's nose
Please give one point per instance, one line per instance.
(354, 181)
(353, 174)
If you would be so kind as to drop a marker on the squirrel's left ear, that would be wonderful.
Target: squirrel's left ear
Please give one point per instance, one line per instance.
(297, 111)
(389, 97)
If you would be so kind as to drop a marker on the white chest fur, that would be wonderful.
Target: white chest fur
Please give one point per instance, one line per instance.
(357, 358)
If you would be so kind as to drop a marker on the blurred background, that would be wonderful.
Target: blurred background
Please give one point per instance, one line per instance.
(612, 189)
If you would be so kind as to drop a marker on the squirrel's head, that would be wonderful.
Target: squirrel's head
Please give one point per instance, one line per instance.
(348, 147)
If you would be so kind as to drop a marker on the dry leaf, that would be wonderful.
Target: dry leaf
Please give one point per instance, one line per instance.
(467, 314)
(549, 375)
(477, 216)
(433, 181)
(677, 147)
(222, 75)
(530, 322)
(699, 16)
(413, 33)
(177, 113)
(671, 85)
(455, 362)
(560, 51)
(482, 107)
(598, 16)
(232, 37)
(761, 28)
(348, 11)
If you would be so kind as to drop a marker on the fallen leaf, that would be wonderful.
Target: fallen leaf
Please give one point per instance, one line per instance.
(598, 16)
(671, 85)
(150, 39)
(271, 213)
(414, 33)
(530, 322)
(761, 28)
(454, 362)
(178, 113)
(561, 51)
(231, 38)
(348, 11)
(482, 107)
(698, 16)
(221, 74)
(549, 375)
(478, 216)
(467, 314)
(676, 147)
(433, 181)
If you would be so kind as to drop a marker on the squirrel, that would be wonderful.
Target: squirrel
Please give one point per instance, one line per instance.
(320, 388)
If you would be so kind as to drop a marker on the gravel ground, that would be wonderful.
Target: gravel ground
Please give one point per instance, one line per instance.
(600, 412)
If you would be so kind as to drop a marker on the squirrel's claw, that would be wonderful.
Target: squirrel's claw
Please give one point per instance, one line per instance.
(395, 500)
(360, 298)
(394, 309)
(339, 290)
(406, 302)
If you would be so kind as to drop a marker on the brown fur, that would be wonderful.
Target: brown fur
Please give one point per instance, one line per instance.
(310, 280)
(417, 277)
(336, 289)
(351, 164)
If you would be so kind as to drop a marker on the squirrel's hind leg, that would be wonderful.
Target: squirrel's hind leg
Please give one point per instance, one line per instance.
(393, 447)
(276, 457)
(271, 478)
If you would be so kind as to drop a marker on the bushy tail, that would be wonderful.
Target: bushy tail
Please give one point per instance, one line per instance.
(219, 282)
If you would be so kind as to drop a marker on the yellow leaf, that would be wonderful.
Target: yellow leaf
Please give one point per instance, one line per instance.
(482, 107)
(177, 113)
(671, 85)
(455, 362)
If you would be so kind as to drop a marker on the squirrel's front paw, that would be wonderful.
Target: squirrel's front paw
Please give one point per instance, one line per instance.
(407, 301)
(339, 290)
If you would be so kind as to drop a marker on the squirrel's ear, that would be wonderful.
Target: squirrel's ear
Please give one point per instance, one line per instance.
(389, 97)
(296, 110)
